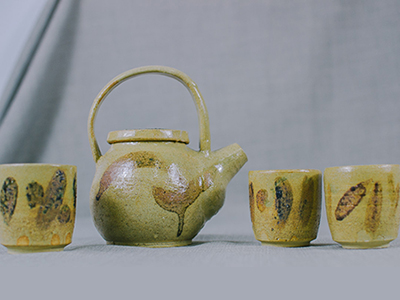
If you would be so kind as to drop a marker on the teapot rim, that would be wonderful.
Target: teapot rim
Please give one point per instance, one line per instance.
(148, 135)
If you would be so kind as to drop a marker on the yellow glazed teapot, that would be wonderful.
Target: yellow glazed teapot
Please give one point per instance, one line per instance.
(150, 189)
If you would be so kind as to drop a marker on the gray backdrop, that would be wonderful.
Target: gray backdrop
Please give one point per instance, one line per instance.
(297, 84)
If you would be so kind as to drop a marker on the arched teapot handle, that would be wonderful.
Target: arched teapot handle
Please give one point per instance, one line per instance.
(204, 124)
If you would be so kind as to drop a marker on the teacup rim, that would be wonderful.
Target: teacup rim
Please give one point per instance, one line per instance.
(353, 167)
(36, 165)
(285, 171)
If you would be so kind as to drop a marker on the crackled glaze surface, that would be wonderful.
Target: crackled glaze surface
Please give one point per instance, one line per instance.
(362, 204)
(285, 206)
(150, 189)
(37, 205)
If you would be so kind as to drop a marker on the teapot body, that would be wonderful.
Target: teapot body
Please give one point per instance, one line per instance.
(154, 193)
(150, 189)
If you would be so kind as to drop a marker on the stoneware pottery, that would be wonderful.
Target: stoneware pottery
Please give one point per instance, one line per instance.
(150, 189)
(37, 205)
(362, 204)
(285, 206)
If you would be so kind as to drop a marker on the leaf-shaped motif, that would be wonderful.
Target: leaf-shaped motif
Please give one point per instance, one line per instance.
(75, 190)
(374, 209)
(8, 198)
(65, 214)
(350, 200)
(178, 201)
(394, 195)
(307, 199)
(251, 199)
(50, 201)
(124, 166)
(55, 190)
(283, 199)
(261, 199)
(392, 189)
(53, 199)
(34, 194)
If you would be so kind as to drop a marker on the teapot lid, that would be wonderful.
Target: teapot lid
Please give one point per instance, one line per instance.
(148, 135)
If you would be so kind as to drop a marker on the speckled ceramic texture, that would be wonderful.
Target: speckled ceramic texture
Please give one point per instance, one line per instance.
(150, 189)
(37, 207)
(362, 204)
(285, 206)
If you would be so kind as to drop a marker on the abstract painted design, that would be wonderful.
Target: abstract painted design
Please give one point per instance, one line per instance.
(179, 200)
(307, 199)
(34, 194)
(125, 165)
(374, 209)
(49, 201)
(65, 214)
(75, 190)
(283, 199)
(261, 198)
(8, 198)
(350, 200)
(251, 198)
(394, 195)
(23, 241)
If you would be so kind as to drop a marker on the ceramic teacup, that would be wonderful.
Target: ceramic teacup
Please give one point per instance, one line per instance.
(362, 204)
(285, 206)
(37, 207)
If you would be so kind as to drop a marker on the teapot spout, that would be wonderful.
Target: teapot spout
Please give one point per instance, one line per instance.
(228, 161)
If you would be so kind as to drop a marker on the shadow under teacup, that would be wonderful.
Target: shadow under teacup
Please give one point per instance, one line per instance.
(37, 207)
(362, 205)
(285, 206)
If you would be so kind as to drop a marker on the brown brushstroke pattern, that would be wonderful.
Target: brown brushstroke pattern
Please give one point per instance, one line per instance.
(261, 199)
(23, 241)
(34, 194)
(350, 200)
(392, 190)
(178, 201)
(283, 199)
(251, 198)
(125, 164)
(74, 186)
(307, 199)
(53, 198)
(49, 201)
(65, 214)
(374, 209)
(394, 211)
(8, 198)
(394, 195)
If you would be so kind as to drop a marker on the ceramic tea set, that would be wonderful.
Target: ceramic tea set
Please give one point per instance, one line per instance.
(151, 190)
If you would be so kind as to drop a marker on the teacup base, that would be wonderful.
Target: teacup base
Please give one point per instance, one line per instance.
(286, 244)
(33, 249)
(365, 245)
(154, 244)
